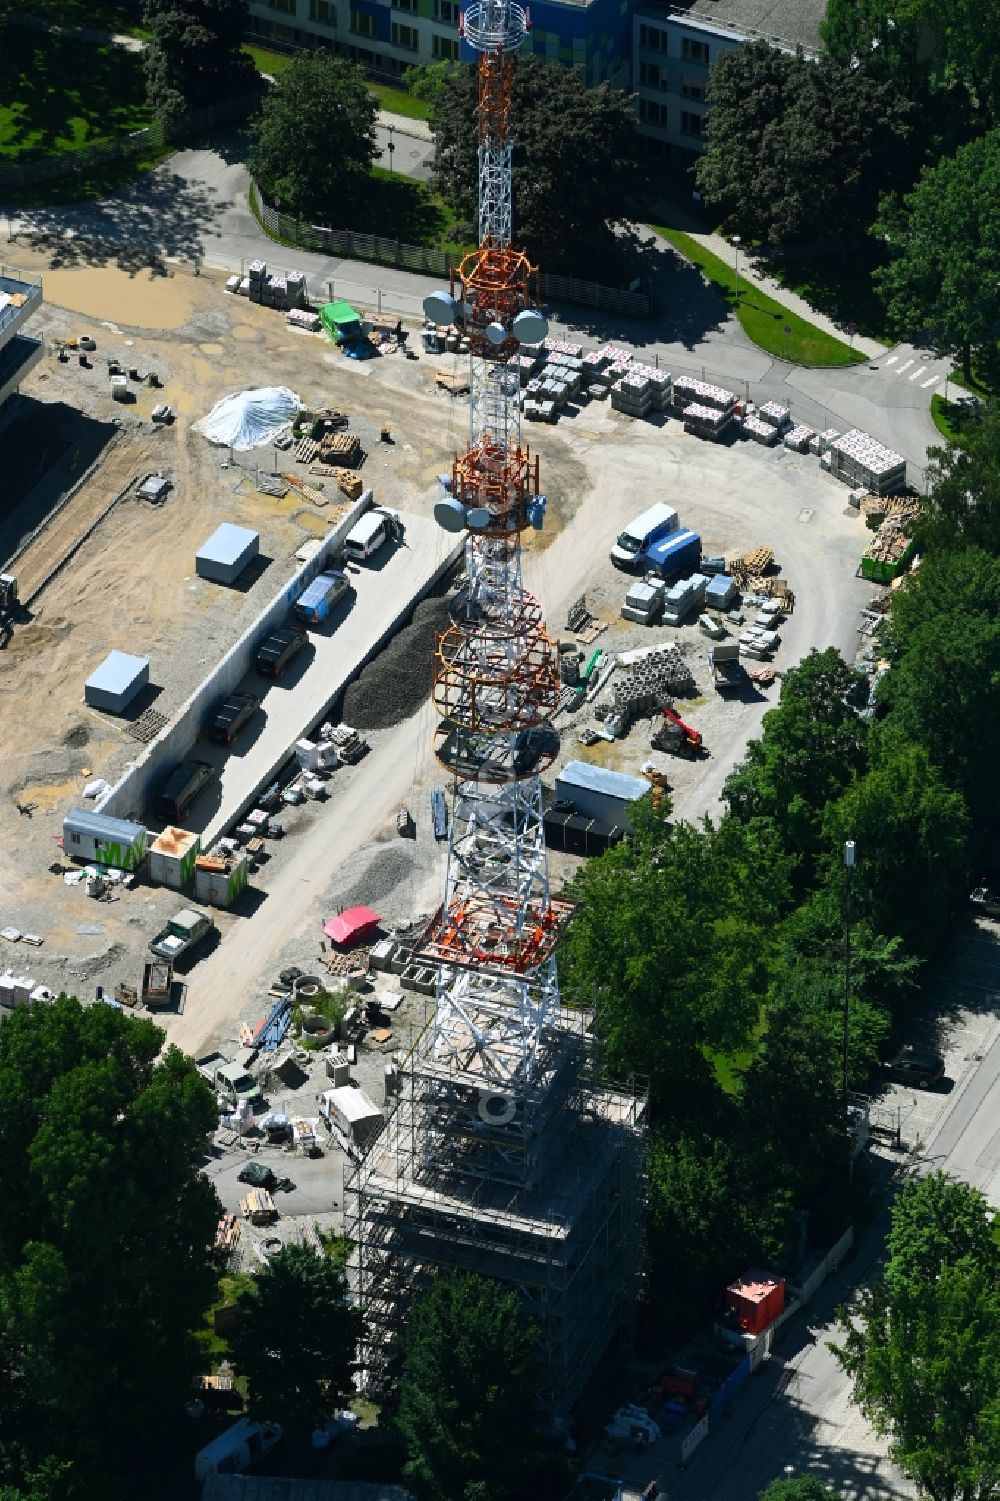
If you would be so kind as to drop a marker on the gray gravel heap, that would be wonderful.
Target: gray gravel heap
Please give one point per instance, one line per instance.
(397, 682)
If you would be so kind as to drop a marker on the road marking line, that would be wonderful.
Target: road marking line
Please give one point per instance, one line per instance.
(916, 374)
(892, 359)
(903, 367)
(932, 382)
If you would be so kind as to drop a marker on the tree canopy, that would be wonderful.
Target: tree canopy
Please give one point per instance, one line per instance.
(105, 1262)
(799, 1488)
(575, 162)
(772, 158)
(466, 1391)
(296, 1339)
(944, 239)
(194, 56)
(315, 138)
(923, 1349)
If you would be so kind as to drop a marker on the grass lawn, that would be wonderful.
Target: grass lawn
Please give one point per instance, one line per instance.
(58, 94)
(397, 101)
(97, 15)
(394, 207)
(763, 319)
(837, 285)
(951, 419)
(97, 182)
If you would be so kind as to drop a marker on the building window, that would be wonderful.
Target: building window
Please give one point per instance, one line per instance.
(410, 5)
(694, 52)
(692, 124)
(653, 38)
(651, 76)
(651, 113)
(692, 90)
(323, 12)
(287, 7)
(362, 24)
(74, 838)
(405, 36)
(446, 11)
(445, 48)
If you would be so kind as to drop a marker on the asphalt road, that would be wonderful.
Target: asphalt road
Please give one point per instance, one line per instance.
(193, 210)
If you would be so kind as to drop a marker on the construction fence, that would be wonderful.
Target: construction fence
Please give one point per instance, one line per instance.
(434, 261)
(760, 1350)
(152, 138)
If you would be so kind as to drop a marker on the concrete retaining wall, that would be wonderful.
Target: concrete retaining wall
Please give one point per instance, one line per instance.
(133, 791)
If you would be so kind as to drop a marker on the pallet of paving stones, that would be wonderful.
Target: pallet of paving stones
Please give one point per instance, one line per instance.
(272, 484)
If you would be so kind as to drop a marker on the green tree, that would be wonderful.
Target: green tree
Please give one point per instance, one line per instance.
(296, 1340)
(664, 943)
(771, 152)
(314, 142)
(812, 748)
(963, 508)
(941, 690)
(194, 56)
(575, 162)
(884, 37)
(466, 1391)
(105, 1259)
(799, 1488)
(923, 1349)
(428, 81)
(904, 817)
(944, 239)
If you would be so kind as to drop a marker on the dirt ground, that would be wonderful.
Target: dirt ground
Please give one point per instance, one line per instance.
(132, 585)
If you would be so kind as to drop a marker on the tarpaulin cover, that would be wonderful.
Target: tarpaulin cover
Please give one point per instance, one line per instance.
(352, 926)
(249, 419)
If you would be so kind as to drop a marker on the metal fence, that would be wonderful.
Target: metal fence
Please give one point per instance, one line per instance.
(433, 261)
(30, 171)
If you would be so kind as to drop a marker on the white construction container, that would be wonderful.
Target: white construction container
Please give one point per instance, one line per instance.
(220, 876)
(172, 857)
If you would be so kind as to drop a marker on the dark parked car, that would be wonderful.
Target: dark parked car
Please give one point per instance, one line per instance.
(985, 894)
(230, 717)
(259, 1176)
(182, 786)
(915, 1066)
(278, 650)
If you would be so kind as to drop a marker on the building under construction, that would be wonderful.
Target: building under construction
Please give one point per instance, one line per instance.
(504, 1152)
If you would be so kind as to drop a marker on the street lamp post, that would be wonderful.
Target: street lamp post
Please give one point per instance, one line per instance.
(392, 145)
(737, 242)
(849, 852)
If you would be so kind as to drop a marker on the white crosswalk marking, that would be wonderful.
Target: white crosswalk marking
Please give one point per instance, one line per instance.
(932, 382)
(892, 359)
(916, 374)
(904, 366)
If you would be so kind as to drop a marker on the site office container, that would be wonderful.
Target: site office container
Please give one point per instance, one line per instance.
(757, 1299)
(172, 857)
(104, 840)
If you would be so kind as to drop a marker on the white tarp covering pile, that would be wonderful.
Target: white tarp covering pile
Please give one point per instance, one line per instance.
(249, 418)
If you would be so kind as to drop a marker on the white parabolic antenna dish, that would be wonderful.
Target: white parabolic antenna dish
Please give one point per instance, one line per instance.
(478, 518)
(496, 333)
(450, 515)
(530, 327)
(440, 308)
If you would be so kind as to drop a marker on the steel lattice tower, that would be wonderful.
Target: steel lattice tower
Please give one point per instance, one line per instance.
(501, 1153)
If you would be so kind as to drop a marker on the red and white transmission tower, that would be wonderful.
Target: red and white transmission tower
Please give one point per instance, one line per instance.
(496, 686)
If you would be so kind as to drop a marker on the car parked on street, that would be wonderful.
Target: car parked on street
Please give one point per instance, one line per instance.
(917, 1066)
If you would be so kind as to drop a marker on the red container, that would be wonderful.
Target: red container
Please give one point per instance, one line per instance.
(757, 1299)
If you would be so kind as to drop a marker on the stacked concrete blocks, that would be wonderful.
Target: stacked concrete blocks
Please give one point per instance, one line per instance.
(856, 459)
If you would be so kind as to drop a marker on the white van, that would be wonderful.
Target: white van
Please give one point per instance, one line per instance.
(237, 1448)
(368, 535)
(634, 542)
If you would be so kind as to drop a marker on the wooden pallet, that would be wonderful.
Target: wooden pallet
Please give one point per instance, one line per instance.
(227, 1233)
(306, 450)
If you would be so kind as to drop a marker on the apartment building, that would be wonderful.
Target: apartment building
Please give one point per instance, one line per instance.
(674, 46)
(388, 36)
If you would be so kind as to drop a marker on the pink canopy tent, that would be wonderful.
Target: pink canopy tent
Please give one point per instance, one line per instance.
(353, 926)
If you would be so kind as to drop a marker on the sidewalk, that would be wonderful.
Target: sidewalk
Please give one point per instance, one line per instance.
(791, 300)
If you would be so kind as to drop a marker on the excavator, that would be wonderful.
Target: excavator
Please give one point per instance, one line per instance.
(676, 737)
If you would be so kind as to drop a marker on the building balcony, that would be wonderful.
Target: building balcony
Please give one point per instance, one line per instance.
(20, 296)
(18, 357)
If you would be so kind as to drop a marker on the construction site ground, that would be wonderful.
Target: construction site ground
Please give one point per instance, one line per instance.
(131, 585)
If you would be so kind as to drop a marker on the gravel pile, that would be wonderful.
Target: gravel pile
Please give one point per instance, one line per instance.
(372, 878)
(397, 682)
